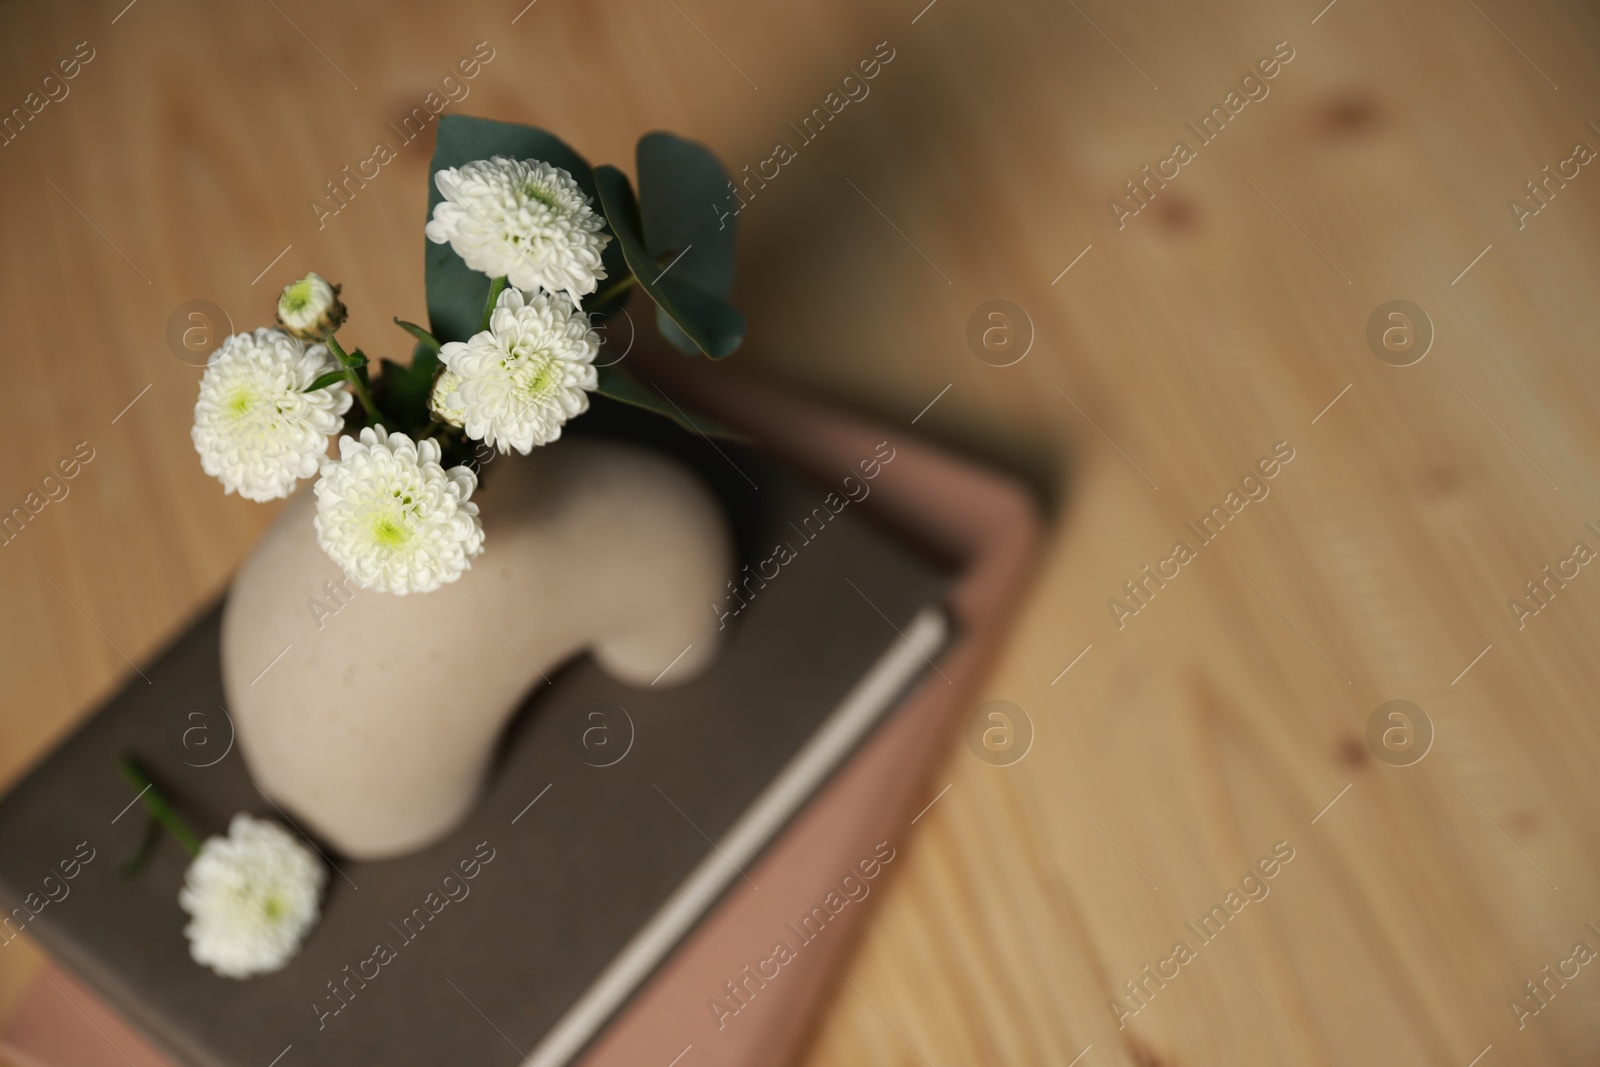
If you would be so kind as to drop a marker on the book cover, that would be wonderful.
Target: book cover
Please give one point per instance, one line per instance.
(610, 808)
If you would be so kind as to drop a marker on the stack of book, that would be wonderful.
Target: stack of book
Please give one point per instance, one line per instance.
(685, 891)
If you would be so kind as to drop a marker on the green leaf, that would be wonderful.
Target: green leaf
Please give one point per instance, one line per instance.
(713, 325)
(423, 336)
(456, 292)
(673, 334)
(681, 187)
(333, 377)
(403, 392)
(621, 385)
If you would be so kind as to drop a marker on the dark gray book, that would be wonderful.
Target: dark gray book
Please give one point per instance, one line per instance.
(613, 821)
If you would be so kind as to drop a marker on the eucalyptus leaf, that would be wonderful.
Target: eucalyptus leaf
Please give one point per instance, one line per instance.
(699, 314)
(713, 325)
(456, 292)
(673, 334)
(622, 385)
(681, 189)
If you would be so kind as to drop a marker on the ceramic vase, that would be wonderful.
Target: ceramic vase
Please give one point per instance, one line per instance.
(370, 718)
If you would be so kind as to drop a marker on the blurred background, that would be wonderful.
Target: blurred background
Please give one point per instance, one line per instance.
(1169, 319)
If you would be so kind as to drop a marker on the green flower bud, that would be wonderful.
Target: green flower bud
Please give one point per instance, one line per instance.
(310, 309)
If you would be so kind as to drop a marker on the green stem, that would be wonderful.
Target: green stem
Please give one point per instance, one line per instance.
(157, 806)
(496, 287)
(345, 363)
(615, 291)
(433, 427)
(147, 848)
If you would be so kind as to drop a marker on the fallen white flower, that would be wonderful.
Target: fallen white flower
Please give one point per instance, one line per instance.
(252, 897)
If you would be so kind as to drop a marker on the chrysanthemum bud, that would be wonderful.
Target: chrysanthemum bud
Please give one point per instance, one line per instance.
(310, 309)
(439, 402)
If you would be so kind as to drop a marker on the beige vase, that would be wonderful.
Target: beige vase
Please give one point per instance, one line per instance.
(370, 718)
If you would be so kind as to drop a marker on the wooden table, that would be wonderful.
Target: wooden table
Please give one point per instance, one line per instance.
(1172, 348)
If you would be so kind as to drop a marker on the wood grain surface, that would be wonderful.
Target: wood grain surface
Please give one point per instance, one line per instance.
(1171, 350)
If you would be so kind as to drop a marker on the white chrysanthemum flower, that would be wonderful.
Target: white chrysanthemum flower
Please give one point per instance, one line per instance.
(310, 308)
(393, 518)
(527, 374)
(254, 427)
(252, 897)
(439, 404)
(522, 219)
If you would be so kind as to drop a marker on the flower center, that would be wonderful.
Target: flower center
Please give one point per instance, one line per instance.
(241, 402)
(540, 194)
(298, 296)
(274, 908)
(536, 373)
(390, 531)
